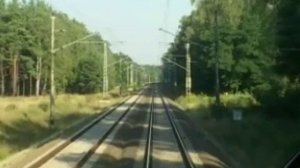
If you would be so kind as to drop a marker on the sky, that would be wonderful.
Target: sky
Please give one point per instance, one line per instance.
(135, 22)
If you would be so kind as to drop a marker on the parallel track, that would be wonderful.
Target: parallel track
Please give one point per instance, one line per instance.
(148, 149)
(147, 163)
(93, 149)
(57, 149)
(183, 150)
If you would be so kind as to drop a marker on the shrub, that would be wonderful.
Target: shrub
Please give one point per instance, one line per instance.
(239, 100)
(44, 106)
(11, 107)
(114, 94)
(207, 107)
(281, 100)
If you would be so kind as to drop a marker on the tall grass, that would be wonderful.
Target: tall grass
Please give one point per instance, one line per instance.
(203, 104)
(24, 120)
(256, 141)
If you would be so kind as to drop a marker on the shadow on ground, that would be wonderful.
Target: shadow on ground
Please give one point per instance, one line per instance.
(126, 148)
(22, 133)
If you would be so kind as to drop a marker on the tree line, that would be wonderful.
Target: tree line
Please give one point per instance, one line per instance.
(255, 44)
(25, 32)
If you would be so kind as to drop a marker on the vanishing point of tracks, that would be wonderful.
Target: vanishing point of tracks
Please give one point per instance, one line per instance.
(140, 132)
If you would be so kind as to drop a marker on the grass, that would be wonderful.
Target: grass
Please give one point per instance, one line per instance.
(24, 120)
(256, 141)
(204, 103)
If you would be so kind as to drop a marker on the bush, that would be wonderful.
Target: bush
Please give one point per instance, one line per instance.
(239, 100)
(87, 77)
(281, 100)
(195, 101)
(115, 92)
(44, 106)
(207, 107)
(11, 107)
(283, 106)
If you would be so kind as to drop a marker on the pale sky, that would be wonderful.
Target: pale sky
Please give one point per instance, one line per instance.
(136, 22)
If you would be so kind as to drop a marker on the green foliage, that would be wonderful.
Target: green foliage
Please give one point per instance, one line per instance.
(239, 137)
(281, 99)
(256, 45)
(288, 37)
(205, 105)
(25, 29)
(87, 77)
(243, 140)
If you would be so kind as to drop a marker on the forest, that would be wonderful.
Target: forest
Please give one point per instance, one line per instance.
(25, 28)
(254, 47)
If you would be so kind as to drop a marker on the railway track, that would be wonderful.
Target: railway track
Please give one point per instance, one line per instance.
(152, 134)
(183, 149)
(176, 138)
(114, 116)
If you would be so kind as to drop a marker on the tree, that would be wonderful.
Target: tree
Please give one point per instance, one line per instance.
(88, 77)
(257, 50)
(25, 45)
(288, 38)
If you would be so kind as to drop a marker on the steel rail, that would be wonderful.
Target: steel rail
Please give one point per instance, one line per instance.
(92, 150)
(148, 148)
(183, 150)
(58, 148)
